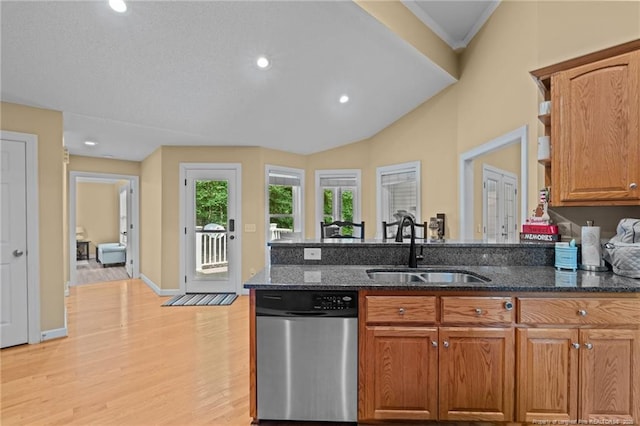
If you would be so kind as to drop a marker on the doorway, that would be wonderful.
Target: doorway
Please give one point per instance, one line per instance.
(466, 178)
(211, 243)
(19, 240)
(87, 230)
(499, 205)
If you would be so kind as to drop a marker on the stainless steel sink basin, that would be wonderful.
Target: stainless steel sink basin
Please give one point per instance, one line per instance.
(418, 276)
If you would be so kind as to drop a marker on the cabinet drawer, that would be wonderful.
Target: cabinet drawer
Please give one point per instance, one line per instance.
(579, 311)
(401, 309)
(477, 310)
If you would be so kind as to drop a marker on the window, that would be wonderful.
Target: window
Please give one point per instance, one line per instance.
(285, 203)
(337, 197)
(398, 192)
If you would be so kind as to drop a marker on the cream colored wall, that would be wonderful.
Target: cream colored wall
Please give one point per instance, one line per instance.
(253, 162)
(47, 125)
(151, 218)
(495, 95)
(395, 16)
(97, 211)
(79, 163)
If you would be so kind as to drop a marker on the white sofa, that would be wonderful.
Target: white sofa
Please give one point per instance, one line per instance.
(111, 253)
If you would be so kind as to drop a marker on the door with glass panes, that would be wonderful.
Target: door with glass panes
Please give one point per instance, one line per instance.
(211, 231)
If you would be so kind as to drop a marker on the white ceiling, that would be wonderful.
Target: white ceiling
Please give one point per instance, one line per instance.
(184, 73)
(454, 21)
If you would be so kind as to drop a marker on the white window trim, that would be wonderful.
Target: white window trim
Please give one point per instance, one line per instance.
(412, 166)
(357, 174)
(270, 168)
(466, 177)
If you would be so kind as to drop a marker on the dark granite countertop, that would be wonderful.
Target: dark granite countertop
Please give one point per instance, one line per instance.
(503, 278)
(341, 242)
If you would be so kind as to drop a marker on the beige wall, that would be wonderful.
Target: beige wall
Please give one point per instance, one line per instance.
(160, 207)
(98, 211)
(495, 95)
(47, 125)
(395, 16)
(151, 218)
(79, 163)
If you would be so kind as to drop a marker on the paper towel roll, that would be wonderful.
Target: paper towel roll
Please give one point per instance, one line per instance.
(591, 247)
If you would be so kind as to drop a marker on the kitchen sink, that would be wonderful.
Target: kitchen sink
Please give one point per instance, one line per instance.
(422, 276)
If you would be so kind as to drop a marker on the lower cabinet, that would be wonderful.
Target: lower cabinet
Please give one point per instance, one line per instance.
(411, 371)
(571, 374)
(568, 359)
(401, 367)
(476, 373)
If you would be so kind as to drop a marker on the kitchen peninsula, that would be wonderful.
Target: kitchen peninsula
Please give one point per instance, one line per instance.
(478, 332)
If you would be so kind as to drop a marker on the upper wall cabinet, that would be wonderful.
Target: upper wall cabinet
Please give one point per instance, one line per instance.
(594, 128)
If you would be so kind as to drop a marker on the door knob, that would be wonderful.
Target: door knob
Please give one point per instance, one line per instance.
(445, 343)
(575, 345)
(588, 345)
(633, 185)
(18, 253)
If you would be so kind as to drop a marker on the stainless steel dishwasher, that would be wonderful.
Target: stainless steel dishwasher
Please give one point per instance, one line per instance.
(307, 355)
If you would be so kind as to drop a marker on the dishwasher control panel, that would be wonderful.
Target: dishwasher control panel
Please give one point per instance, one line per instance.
(307, 302)
(333, 301)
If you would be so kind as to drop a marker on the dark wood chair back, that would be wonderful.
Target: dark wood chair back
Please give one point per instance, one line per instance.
(334, 229)
(386, 228)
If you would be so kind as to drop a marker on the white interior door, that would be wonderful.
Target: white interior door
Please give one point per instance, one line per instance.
(14, 323)
(499, 205)
(212, 231)
(125, 225)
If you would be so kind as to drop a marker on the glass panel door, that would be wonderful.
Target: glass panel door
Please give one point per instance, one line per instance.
(211, 231)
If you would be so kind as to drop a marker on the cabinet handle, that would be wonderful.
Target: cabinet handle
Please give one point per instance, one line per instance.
(588, 345)
(508, 306)
(478, 311)
(575, 345)
(633, 185)
(401, 311)
(582, 313)
(434, 343)
(445, 343)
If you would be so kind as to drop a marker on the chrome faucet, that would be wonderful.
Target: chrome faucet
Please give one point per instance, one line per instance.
(413, 258)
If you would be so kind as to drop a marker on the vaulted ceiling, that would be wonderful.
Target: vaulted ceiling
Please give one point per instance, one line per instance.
(185, 73)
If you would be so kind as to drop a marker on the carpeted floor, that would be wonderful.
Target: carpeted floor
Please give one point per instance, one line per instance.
(90, 271)
(201, 299)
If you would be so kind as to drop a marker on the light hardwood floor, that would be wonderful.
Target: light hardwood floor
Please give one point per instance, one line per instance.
(129, 361)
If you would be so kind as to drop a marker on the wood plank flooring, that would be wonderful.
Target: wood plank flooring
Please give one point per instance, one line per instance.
(129, 361)
(91, 272)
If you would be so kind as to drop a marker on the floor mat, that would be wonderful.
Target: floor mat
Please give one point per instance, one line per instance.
(202, 299)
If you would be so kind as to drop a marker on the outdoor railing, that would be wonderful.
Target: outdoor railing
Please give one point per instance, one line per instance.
(211, 251)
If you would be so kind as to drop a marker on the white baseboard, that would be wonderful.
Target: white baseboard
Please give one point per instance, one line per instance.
(160, 292)
(56, 333)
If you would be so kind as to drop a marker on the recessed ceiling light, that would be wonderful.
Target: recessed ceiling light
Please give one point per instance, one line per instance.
(118, 5)
(90, 143)
(344, 99)
(263, 62)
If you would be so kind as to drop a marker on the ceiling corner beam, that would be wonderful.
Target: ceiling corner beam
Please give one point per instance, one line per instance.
(400, 20)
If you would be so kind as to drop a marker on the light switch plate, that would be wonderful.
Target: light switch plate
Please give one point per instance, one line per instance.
(312, 254)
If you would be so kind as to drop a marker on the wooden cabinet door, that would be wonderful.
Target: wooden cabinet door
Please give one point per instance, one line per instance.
(401, 373)
(595, 133)
(476, 373)
(610, 376)
(547, 362)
